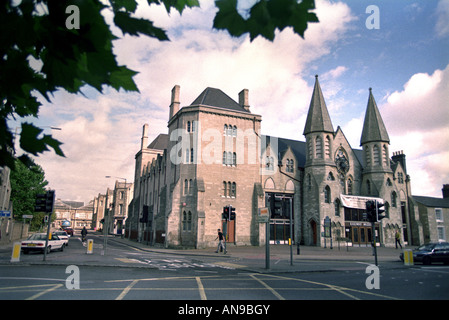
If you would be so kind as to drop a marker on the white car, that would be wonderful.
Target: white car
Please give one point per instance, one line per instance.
(36, 242)
(63, 236)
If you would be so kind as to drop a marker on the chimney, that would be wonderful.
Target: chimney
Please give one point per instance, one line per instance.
(445, 191)
(144, 137)
(243, 99)
(399, 156)
(174, 105)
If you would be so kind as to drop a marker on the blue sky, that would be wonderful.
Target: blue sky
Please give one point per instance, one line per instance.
(405, 61)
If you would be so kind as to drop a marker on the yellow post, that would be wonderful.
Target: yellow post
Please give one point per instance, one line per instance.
(90, 246)
(15, 257)
(408, 257)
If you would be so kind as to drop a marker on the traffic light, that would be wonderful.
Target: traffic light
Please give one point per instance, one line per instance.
(232, 213)
(44, 202)
(379, 211)
(40, 202)
(225, 215)
(371, 210)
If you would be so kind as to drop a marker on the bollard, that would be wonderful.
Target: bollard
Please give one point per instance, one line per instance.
(15, 257)
(408, 257)
(90, 246)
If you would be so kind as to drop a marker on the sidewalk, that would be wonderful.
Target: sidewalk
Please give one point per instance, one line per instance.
(244, 258)
(309, 258)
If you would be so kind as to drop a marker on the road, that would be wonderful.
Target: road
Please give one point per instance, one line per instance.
(129, 273)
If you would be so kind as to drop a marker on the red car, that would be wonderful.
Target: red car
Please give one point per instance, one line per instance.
(69, 231)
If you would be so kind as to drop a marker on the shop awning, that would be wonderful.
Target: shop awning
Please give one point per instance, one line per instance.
(357, 202)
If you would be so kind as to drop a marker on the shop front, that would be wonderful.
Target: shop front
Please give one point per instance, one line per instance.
(358, 231)
(281, 207)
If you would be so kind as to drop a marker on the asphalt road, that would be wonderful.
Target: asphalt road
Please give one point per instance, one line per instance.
(127, 273)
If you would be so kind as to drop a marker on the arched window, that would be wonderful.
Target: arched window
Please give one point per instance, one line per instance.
(234, 131)
(385, 155)
(327, 194)
(349, 186)
(191, 155)
(367, 156)
(394, 199)
(337, 207)
(225, 157)
(318, 148)
(188, 126)
(225, 187)
(234, 159)
(327, 147)
(376, 155)
(190, 186)
(186, 186)
(233, 190)
(225, 129)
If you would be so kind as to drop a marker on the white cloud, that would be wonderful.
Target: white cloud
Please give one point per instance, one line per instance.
(101, 134)
(442, 25)
(417, 119)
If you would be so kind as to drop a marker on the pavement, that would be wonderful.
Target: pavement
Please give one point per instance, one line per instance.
(244, 258)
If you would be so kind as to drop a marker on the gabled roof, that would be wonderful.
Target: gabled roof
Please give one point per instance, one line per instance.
(216, 98)
(373, 126)
(432, 202)
(160, 143)
(318, 119)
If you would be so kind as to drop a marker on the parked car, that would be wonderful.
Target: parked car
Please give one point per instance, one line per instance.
(69, 231)
(36, 242)
(431, 252)
(63, 236)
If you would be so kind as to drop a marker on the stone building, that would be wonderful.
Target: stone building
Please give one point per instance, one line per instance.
(214, 155)
(111, 208)
(434, 216)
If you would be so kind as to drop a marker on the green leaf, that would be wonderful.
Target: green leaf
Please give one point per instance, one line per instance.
(179, 5)
(134, 26)
(228, 18)
(265, 17)
(30, 142)
(123, 78)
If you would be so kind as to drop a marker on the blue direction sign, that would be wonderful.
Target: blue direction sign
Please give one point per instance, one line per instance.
(5, 213)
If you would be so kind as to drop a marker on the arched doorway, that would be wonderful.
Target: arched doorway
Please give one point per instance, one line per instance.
(313, 232)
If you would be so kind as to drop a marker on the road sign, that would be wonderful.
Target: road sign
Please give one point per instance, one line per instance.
(27, 216)
(5, 213)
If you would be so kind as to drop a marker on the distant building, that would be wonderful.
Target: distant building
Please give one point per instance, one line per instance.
(434, 216)
(111, 208)
(76, 212)
(214, 155)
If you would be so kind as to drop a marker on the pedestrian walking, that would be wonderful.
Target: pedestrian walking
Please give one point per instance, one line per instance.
(397, 236)
(221, 242)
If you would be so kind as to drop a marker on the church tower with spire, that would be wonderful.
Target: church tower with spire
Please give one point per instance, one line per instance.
(375, 143)
(320, 169)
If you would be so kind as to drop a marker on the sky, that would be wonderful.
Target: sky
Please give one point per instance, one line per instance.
(405, 60)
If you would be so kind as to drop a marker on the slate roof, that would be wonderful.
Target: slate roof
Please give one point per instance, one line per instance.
(432, 202)
(160, 142)
(216, 98)
(318, 119)
(373, 125)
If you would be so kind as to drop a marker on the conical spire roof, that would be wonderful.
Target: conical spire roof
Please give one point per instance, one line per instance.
(373, 126)
(318, 119)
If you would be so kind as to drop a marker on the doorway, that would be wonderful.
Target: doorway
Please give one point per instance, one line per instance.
(361, 235)
(314, 232)
(228, 228)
